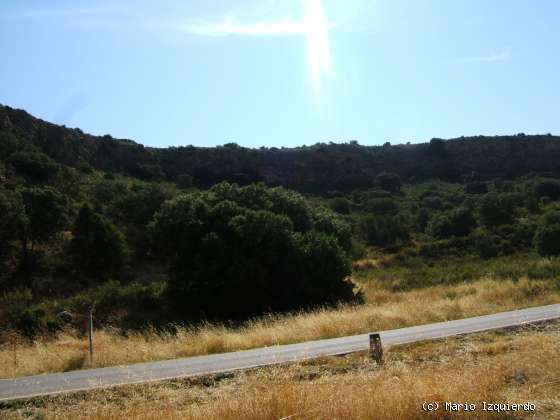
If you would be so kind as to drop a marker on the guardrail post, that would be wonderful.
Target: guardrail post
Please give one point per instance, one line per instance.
(375, 347)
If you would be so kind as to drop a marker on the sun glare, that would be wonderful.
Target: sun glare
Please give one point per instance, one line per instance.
(316, 32)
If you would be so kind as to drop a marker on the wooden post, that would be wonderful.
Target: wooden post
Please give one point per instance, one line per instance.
(376, 348)
(90, 334)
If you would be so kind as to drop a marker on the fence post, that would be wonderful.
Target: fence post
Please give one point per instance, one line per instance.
(90, 334)
(375, 347)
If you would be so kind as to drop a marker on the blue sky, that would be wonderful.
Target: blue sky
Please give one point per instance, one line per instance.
(284, 72)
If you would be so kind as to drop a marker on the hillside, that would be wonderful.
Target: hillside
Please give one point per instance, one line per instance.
(185, 235)
(317, 169)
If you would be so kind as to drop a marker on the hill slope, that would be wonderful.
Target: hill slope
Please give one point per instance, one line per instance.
(318, 168)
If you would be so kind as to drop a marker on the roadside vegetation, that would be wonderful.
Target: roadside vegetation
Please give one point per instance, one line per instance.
(491, 367)
(385, 309)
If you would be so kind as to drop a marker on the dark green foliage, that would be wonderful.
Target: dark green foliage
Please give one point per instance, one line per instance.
(148, 171)
(421, 220)
(548, 188)
(432, 202)
(8, 144)
(381, 206)
(131, 305)
(458, 222)
(46, 214)
(138, 203)
(12, 215)
(547, 237)
(17, 312)
(486, 244)
(34, 164)
(185, 181)
(97, 247)
(547, 240)
(383, 231)
(495, 210)
(340, 205)
(436, 148)
(389, 181)
(12, 224)
(476, 187)
(239, 251)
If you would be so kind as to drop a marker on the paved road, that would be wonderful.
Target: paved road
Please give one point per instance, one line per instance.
(31, 386)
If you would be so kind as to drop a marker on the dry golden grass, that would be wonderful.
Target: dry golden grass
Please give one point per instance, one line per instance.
(517, 367)
(385, 310)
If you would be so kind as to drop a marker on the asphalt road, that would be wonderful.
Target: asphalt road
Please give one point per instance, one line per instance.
(39, 385)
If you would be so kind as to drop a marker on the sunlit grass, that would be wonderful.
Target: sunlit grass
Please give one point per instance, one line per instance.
(514, 367)
(385, 309)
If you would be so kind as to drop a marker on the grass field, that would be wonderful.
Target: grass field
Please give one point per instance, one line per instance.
(521, 366)
(385, 309)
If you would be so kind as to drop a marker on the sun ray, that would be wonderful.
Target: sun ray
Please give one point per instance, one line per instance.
(318, 50)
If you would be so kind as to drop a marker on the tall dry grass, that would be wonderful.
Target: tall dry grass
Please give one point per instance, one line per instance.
(384, 310)
(488, 367)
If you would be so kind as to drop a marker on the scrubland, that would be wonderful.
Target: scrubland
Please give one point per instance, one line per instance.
(385, 308)
(516, 367)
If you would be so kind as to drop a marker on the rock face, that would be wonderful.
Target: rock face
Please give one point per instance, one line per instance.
(319, 168)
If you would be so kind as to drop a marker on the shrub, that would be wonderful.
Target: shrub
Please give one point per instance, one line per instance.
(458, 222)
(547, 240)
(34, 164)
(476, 187)
(389, 181)
(547, 237)
(185, 181)
(381, 206)
(496, 210)
(237, 251)
(98, 248)
(383, 231)
(340, 205)
(547, 188)
(432, 202)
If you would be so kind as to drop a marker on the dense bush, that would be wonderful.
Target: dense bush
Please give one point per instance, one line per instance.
(46, 214)
(240, 251)
(547, 237)
(496, 210)
(476, 187)
(383, 231)
(34, 164)
(548, 188)
(340, 205)
(389, 181)
(381, 206)
(98, 248)
(458, 222)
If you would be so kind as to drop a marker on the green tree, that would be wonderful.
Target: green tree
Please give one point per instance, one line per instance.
(381, 206)
(476, 187)
(237, 251)
(97, 246)
(46, 214)
(12, 221)
(547, 188)
(458, 222)
(389, 181)
(185, 181)
(547, 236)
(8, 144)
(383, 231)
(34, 164)
(547, 240)
(495, 210)
(340, 205)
